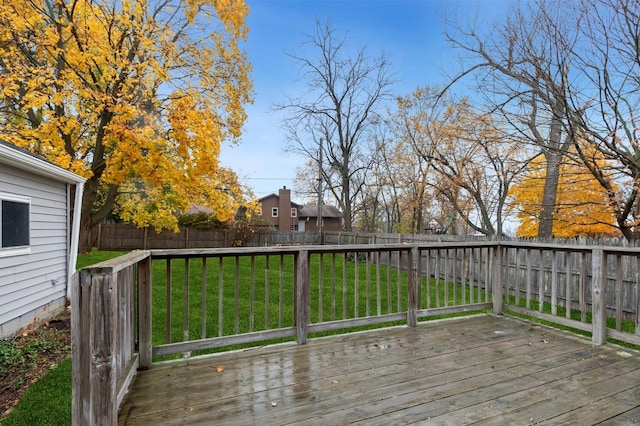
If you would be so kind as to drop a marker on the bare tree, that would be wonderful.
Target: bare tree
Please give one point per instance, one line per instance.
(575, 65)
(407, 170)
(346, 88)
(523, 69)
(603, 109)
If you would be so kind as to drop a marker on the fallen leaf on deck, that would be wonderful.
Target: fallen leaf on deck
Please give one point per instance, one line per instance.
(220, 368)
(273, 403)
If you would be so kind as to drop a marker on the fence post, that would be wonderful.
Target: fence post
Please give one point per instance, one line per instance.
(144, 313)
(412, 272)
(496, 278)
(99, 239)
(302, 296)
(598, 292)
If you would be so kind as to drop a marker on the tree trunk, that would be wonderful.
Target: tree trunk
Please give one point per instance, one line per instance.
(348, 220)
(92, 217)
(549, 194)
(553, 152)
(87, 239)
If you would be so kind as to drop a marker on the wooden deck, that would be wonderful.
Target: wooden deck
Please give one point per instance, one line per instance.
(482, 369)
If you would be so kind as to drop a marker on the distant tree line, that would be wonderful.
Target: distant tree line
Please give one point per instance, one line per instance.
(546, 136)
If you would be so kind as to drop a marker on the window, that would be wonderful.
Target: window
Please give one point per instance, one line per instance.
(15, 224)
(274, 212)
(294, 212)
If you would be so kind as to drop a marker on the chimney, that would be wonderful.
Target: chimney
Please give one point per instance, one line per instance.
(284, 210)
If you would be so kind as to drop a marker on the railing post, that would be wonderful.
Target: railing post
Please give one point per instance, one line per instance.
(598, 293)
(412, 287)
(104, 381)
(94, 370)
(302, 305)
(496, 279)
(80, 344)
(144, 313)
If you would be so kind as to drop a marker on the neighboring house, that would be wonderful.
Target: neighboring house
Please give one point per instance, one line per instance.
(287, 216)
(280, 210)
(38, 239)
(331, 219)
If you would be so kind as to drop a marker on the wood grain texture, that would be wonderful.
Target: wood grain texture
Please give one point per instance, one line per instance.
(485, 368)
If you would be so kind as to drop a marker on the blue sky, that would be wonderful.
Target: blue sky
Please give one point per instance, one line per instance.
(409, 32)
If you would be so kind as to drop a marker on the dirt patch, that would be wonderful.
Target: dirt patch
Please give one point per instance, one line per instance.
(28, 355)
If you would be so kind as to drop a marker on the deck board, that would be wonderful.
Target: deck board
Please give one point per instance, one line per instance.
(477, 370)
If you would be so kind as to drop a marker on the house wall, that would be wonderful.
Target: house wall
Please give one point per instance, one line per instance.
(328, 224)
(284, 222)
(33, 286)
(267, 204)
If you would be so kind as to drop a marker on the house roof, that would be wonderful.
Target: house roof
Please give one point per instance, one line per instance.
(312, 211)
(261, 199)
(12, 155)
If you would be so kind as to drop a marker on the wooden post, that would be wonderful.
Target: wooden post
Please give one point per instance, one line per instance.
(496, 278)
(103, 401)
(302, 306)
(598, 292)
(412, 279)
(99, 239)
(144, 313)
(94, 309)
(102, 336)
(80, 342)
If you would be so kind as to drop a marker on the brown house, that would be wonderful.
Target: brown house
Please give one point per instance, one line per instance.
(287, 216)
(331, 218)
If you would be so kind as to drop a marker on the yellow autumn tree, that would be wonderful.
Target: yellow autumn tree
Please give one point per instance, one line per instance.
(582, 208)
(135, 95)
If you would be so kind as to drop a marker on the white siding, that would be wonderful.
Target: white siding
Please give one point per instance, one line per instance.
(34, 284)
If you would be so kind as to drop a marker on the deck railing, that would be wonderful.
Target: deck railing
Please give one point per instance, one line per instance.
(103, 335)
(593, 289)
(150, 305)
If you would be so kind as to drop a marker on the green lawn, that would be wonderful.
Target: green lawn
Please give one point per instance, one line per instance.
(47, 402)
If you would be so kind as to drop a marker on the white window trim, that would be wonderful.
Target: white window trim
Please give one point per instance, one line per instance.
(15, 251)
(274, 212)
(294, 212)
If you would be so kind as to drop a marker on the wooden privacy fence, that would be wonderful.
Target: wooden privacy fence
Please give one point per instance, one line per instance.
(123, 237)
(204, 299)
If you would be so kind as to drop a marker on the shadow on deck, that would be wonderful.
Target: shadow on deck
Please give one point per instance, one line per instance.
(486, 368)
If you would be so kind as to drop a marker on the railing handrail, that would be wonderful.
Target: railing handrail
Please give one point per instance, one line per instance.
(111, 266)
(97, 302)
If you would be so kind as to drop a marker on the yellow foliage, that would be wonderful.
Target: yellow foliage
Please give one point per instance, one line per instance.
(132, 93)
(582, 207)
